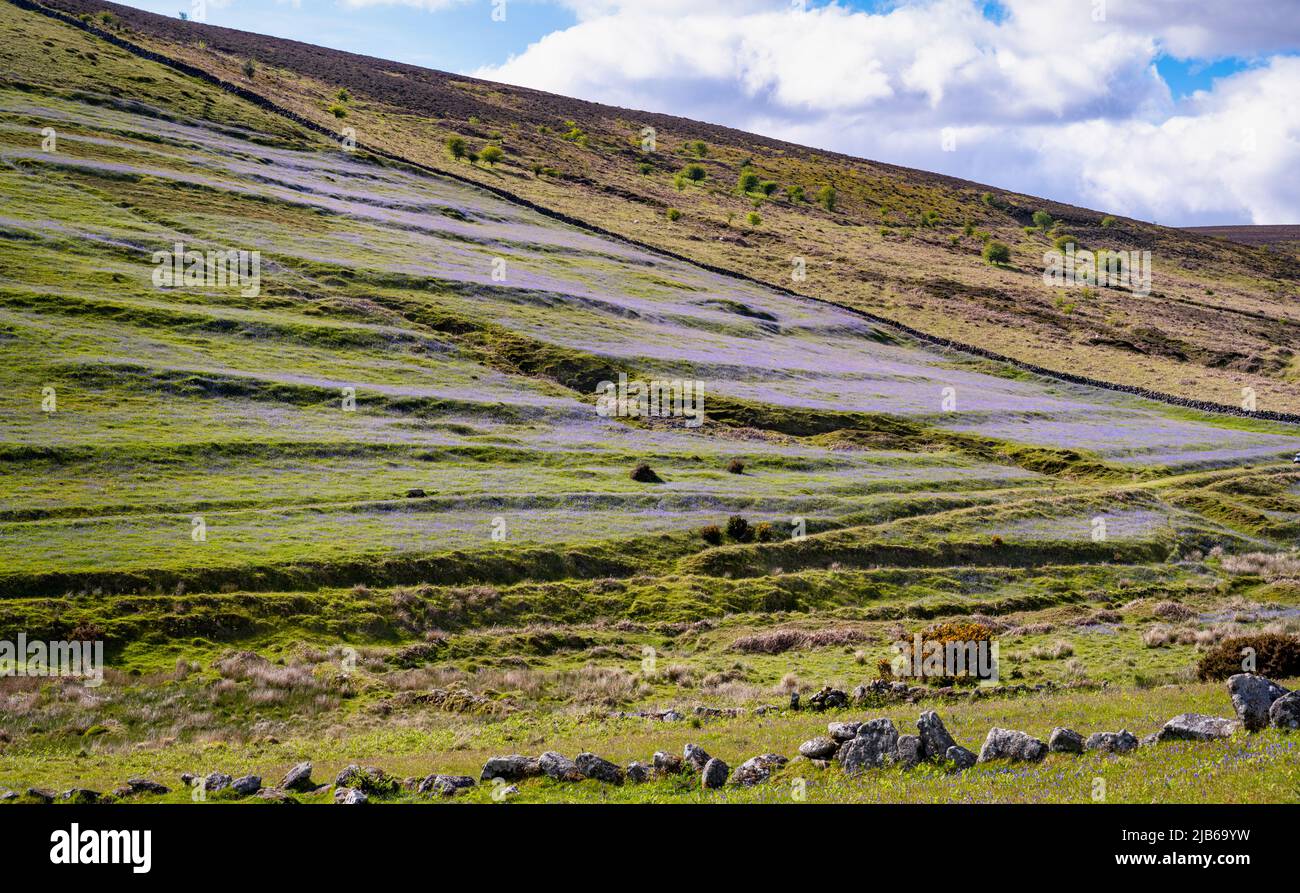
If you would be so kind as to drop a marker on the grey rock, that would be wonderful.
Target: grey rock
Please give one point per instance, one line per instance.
(1285, 712)
(187, 779)
(694, 757)
(80, 795)
(819, 748)
(758, 769)
(828, 699)
(146, 786)
(715, 773)
(40, 795)
(247, 786)
(592, 766)
(875, 745)
(216, 781)
(1065, 741)
(298, 778)
(275, 795)
(559, 767)
(445, 785)
(672, 716)
(6, 795)
(637, 772)
(1252, 696)
(1197, 727)
(1122, 741)
(910, 749)
(666, 763)
(514, 767)
(350, 796)
(370, 780)
(961, 758)
(843, 731)
(1008, 744)
(935, 739)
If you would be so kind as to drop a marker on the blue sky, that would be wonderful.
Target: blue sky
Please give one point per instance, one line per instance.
(1174, 110)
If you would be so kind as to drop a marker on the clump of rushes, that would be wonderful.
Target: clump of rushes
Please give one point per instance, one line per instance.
(644, 474)
(736, 466)
(711, 534)
(739, 530)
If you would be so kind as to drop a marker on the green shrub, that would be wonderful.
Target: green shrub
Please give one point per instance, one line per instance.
(1108, 221)
(694, 172)
(674, 214)
(248, 68)
(769, 187)
(739, 530)
(492, 154)
(1276, 656)
(711, 534)
(748, 181)
(997, 253)
(795, 194)
(763, 532)
(456, 147)
(736, 466)
(753, 218)
(338, 110)
(1062, 241)
(826, 197)
(1043, 220)
(343, 95)
(645, 167)
(698, 148)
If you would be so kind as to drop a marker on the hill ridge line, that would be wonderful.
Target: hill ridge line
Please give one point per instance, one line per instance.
(505, 194)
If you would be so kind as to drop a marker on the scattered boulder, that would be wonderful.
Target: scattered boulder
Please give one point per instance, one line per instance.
(961, 758)
(1253, 696)
(217, 781)
(559, 767)
(714, 774)
(828, 699)
(1065, 741)
(511, 768)
(758, 769)
(370, 780)
(1196, 727)
(39, 795)
(819, 748)
(935, 739)
(247, 786)
(415, 493)
(446, 785)
(1008, 744)
(666, 763)
(637, 773)
(6, 795)
(592, 766)
(275, 795)
(145, 786)
(695, 758)
(910, 750)
(1122, 741)
(875, 745)
(843, 731)
(298, 778)
(350, 796)
(1285, 712)
(80, 796)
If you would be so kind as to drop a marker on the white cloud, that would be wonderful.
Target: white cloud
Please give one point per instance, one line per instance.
(1047, 100)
